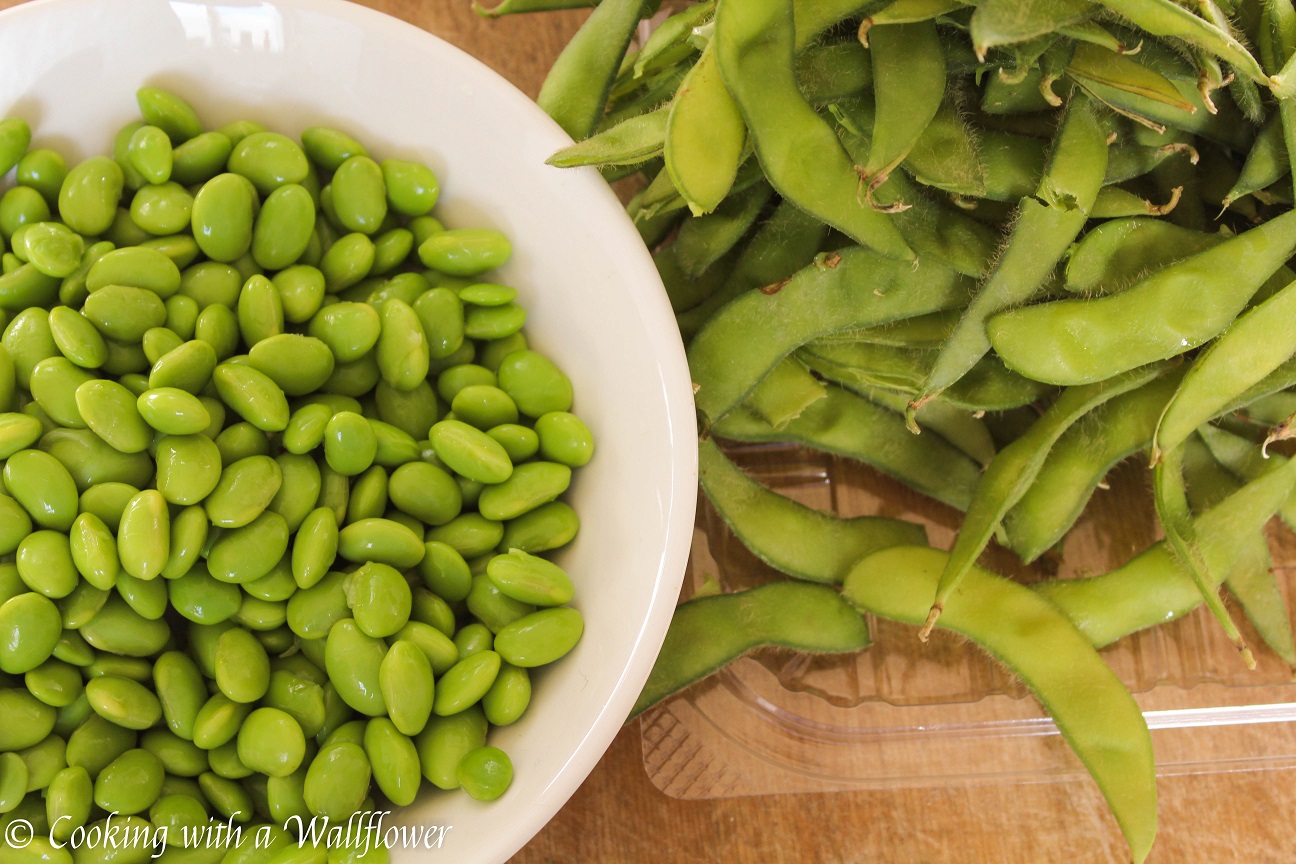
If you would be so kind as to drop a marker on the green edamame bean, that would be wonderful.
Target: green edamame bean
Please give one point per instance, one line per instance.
(337, 781)
(131, 668)
(179, 757)
(508, 698)
(299, 698)
(144, 535)
(470, 452)
(68, 801)
(379, 598)
(29, 721)
(269, 160)
(353, 660)
(485, 773)
(465, 251)
(123, 702)
(298, 364)
(305, 430)
(188, 468)
(147, 597)
(44, 488)
(350, 330)
(93, 547)
(445, 741)
(350, 444)
(13, 781)
(210, 283)
(43, 170)
(53, 386)
(15, 525)
(283, 227)
(541, 637)
(201, 599)
(271, 742)
(200, 158)
(465, 683)
(169, 112)
(313, 611)
(473, 639)
(382, 541)
(299, 489)
(359, 195)
(394, 760)
(173, 411)
(519, 442)
(412, 412)
(529, 486)
(440, 650)
(535, 384)
(253, 396)
(27, 341)
(469, 534)
(227, 797)
(81, 605)
(129, 784)
(484, 406)
(15, 138)
(119, 629)
(445, 572)
(493, 607)
(441, 313)
(329, 148)
(30, 627)
(493, 322)
(55, 682)
(18, 432)
(425, 492)
(345, 263)
(250, 552)
(242, 666)
(22, 285)
(87, 201)
(157, 342)
(45, 564)
(162, 210)
(90, 460)
(260, 312)
(181, 692)
(187, 367)
(301, 290)
(52, 249)
(492, 352)
(111, 412)
(177, 812)
(530, 579)
(21, 207)
(218, 326)
(218, 721)
(123, 313)
(412, 188)
(564, 438)
(402, 347)
(241, 441)
(107, 500)
(405, 678)
(222, 217)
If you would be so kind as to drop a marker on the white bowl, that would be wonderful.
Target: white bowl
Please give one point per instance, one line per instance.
(595, 303)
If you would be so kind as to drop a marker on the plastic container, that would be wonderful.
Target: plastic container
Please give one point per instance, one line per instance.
(904, 713)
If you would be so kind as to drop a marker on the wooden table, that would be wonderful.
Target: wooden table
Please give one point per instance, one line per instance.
(619, 817)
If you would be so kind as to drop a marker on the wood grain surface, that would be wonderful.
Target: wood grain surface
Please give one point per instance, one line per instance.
(619, 817)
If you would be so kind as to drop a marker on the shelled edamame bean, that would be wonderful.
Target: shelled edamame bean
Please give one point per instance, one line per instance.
(262, 419)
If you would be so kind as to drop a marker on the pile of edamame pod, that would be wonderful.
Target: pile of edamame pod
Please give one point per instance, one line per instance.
(279, 474)
(991, 248)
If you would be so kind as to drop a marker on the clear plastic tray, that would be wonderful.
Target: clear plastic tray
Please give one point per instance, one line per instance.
(907, 714)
